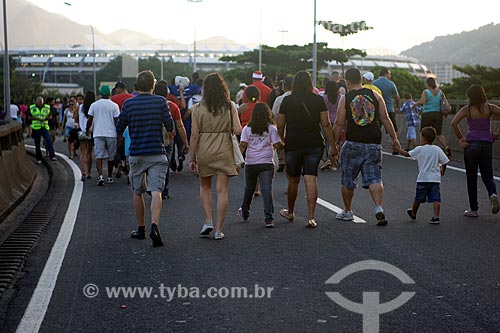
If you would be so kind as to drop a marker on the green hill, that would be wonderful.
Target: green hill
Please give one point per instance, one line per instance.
(477, 47)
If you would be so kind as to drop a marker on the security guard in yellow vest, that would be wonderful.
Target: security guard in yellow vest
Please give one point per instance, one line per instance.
(39, 115)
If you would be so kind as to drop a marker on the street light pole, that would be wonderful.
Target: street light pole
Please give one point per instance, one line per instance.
(6, 70)
(315, 49)
(283, 36)
(93, 51)
(260, 37)
(194, 43)
(161, 65)
(194, 50)
(93, 54)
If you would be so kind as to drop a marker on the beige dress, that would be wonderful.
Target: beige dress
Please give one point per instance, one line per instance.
(215, 148)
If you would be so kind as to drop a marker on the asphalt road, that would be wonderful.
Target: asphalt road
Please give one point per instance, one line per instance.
(455, 266)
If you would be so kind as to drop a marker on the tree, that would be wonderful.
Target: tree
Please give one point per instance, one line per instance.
(488, 77)
(287, 59)
(406, 82)
(344, 30)
(21, 88)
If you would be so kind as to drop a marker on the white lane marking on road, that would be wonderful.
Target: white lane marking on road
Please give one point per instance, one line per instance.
(40, 300)
(336, 209)
(447, 167)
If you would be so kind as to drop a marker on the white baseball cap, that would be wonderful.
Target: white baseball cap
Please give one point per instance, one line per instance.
(369, 76)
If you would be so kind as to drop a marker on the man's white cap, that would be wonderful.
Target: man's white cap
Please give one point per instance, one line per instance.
(369, 76)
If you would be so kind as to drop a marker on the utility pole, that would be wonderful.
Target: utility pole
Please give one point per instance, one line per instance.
(93, 53)
(260, 37)
(283, 36)
(315, 49)
(6, 67)
(194, 43)
(162, 60)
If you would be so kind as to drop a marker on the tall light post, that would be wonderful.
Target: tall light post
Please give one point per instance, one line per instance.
(6, 70)
(283, 36)
(315, 49)
(162, 60)
(93, 60)
(194, 43)
(260, 37)
(93, 50)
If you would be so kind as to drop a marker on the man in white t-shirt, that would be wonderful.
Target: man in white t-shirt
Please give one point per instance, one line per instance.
(14, 110)
(104, 115)
(287, 87)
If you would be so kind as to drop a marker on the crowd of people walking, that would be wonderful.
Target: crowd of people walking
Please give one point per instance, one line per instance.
(288, 126)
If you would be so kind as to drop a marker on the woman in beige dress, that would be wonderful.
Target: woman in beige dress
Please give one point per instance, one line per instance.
(211, 148)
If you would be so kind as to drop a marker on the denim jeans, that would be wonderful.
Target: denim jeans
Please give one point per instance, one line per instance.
(37, 135)
(178, 145)
(264, 173)
(479, 153)
(168, 150)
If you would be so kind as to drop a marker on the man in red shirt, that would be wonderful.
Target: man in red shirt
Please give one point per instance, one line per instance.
(119, 98)
(121, 94)
(162, 90)
(265, 91)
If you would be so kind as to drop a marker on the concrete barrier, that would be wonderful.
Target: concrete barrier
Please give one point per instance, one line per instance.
(17, 172)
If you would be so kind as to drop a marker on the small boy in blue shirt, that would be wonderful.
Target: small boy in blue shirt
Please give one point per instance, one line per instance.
(431, 166)
(412, 120)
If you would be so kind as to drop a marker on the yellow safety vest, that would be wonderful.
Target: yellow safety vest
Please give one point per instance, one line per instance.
(40, 116)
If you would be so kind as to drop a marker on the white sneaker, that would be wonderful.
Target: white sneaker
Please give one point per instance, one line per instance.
(495, 205)
(326, 165)
(218, 235)
(345, 216)
(471, 213)
(240, 214)
(109, 180)
(206, 229)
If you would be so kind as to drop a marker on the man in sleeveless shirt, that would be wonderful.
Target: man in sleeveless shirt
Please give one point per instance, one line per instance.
(360, 112)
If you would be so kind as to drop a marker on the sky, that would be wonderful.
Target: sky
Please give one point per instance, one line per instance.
(397, 25)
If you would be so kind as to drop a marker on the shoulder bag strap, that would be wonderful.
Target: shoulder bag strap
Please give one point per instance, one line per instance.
(312, 119)
(230, 119)
(443, 96)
